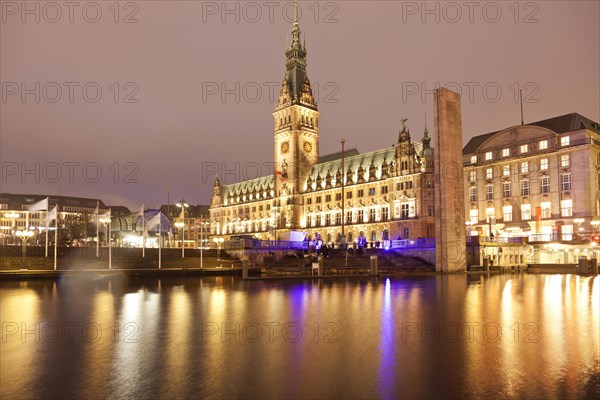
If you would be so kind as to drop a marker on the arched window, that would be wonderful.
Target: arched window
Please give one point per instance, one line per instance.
(373, 236)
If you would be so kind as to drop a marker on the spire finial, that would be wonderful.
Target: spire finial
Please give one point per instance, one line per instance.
(296, 30)
(426, 131)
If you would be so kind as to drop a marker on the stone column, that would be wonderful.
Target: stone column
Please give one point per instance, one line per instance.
(450, 247)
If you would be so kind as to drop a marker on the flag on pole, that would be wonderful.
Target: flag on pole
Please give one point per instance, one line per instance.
(51, 215)
(153, 222)
(41, 205)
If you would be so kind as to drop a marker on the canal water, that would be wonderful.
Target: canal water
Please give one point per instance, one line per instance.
(475, 337)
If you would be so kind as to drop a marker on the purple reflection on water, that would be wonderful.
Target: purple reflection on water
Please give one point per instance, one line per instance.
(387, 346)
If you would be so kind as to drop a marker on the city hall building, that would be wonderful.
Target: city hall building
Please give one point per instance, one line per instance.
(384, 194)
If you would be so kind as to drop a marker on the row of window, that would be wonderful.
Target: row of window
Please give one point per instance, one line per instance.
(327, 221)
(286, 120)
(523, 149)
(525, 167)
(566, 210)
(565, 186)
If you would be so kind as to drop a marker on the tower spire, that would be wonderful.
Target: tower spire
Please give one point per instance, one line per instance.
(296, 78)
(426, 139)
(296, 30)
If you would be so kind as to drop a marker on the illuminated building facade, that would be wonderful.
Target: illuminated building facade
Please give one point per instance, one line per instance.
(540, 181)
(384, 194)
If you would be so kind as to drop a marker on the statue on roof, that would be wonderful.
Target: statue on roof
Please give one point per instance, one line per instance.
(403, 120)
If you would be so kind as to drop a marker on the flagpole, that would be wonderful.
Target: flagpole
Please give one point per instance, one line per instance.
(97, 230)
(143, 233)
(201, 239)
(159, 237)
(47, 224)
(109, 240)
(56, 238)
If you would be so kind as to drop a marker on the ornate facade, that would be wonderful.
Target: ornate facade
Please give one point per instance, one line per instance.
(385, 194)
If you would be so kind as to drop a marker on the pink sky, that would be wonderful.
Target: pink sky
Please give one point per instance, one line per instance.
(365, 57)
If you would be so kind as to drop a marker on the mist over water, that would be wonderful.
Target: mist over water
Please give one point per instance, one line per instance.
(503, 336)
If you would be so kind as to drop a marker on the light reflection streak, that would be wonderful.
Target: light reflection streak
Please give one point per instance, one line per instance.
(19, 362)
(177, 357)
(387, 346)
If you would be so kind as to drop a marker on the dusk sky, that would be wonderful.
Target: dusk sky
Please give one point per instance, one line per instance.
(160, 124)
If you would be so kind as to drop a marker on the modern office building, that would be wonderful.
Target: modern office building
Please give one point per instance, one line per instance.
(75, 214)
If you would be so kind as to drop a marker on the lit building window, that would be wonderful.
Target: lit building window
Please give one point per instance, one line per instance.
(543, 164)
(565, 141)
(472, 176)
(490, 214)
(489, 192)
(566, 208)
(546, 209)
(489, 173)
(348, 217)
(361, 216)
(565, 182)
(567, 232)
(526, 212)
(507, 213)
(385, 213)
(372, 214)
(506, 170)
(473, 159)
(545, 184)
(474, 216)
(505, 152)
(565, 160)
(543, 145)
(524, 148)
(525, 187)
(488, 156)
(506, 190)
(524, 167)
(473, 194)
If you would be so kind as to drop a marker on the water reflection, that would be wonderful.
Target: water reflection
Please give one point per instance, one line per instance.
(522, 336)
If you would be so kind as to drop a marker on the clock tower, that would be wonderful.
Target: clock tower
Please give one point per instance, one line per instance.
(296, 131)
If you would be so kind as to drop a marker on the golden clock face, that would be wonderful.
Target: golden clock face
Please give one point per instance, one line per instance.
(285, 147)
(307, 147)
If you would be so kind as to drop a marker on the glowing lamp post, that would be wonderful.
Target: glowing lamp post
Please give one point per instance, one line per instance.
(24, 236)
(218, 242)
(183, 205)
(12, 216)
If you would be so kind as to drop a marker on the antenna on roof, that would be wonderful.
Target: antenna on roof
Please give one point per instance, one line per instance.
(521, 101)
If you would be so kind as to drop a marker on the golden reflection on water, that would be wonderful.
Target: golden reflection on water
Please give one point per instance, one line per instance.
(520, 336)
(100, 354)
(19, 312)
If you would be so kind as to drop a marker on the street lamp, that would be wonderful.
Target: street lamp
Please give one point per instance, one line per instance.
(105, 221)
(219, 242)
(183, 205)
(469, 224)
(12, 216)
(24, 236)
